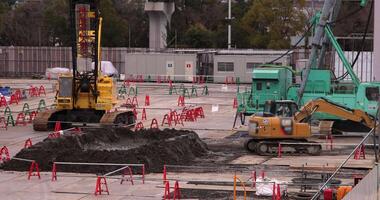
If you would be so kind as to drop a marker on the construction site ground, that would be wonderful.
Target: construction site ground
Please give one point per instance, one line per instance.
(207, 177)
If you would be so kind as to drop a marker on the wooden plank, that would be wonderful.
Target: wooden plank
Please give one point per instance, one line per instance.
(249, 160)
(213, 187)
(320, 162)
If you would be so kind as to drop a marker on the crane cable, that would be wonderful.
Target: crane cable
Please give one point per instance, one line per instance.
(308, 30)
(363, 43)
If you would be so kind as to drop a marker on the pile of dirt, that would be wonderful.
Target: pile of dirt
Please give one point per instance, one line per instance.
(154, 148)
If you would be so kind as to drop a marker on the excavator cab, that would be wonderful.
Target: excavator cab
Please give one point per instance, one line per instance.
(281, 108)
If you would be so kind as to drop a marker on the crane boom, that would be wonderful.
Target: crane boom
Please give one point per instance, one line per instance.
(326, 106)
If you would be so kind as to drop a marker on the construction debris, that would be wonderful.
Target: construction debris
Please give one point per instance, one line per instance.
(154, 148)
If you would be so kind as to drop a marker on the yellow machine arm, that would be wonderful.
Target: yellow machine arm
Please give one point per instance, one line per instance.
(325, 106)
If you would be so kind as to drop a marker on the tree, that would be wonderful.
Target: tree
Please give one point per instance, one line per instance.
(56, 20)
(115, 28)
(271, 23)
(198, 36)
(22, 26)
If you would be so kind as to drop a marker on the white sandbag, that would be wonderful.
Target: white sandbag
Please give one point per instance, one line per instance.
(107, 68)
(265, 187)
(53, 73)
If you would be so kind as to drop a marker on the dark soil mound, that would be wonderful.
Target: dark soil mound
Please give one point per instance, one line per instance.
(154, 148)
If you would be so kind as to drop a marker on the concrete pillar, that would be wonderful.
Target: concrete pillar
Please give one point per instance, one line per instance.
(376, 42)
(159, 16)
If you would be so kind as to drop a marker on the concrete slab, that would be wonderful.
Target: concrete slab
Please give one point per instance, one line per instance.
(249, 160)
(321, 162)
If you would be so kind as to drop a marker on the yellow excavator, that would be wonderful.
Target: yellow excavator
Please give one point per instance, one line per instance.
(86, 95)
(282, 122)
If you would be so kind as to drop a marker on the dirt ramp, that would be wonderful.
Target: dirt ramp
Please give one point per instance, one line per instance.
(154, 148)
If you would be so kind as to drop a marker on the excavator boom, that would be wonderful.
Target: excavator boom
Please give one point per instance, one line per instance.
(328, 107)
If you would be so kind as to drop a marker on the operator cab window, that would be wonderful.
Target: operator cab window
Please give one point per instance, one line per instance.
(259, 86)
(372, 93)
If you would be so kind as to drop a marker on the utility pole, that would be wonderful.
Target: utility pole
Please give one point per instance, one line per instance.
(229, 24)
(376, 40)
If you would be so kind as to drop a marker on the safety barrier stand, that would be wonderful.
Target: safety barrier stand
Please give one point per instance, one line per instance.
(34, 167)
(154, 124)
(276, 195)
(33, 91)
(122, 90)
(54, 173)
(3, 123)
(13, 100)
(128, 103)
(41, 90)
(143, 114)
(263, 174)
(3, 101)
(235, 104)
(18, 94)
(41, 105)
(133, 91)
(28, 143)
(101, 181)
(329, 139)
(32, 116)
(127, 175)
(158, 79)
(253, 178)
(185, 92)
(190, 116)
(167, 191)
(57, 126)
(173, 89)
(199, 112)
(6, 156)
(10, 120)
(7, 111)
(26, 108)
(168, 120)
(164, 178)
(135, 102)
(134, 113)
(360, 152)
(205, 90)
(139, 126)
(194, 91)
(147, 100)
(20, 120)
(170, 83)
(177, 194)
(181, 101)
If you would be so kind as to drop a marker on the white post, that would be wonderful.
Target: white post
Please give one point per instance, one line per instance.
(229, 24)
(376, 43)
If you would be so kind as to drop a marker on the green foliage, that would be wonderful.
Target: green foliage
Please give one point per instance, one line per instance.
(271, 23)
(198, 36)
(56, 18)
(194, 24)
(115, 28)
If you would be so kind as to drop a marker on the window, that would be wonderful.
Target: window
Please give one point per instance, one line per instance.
(253, 65)
(372, 93)
(259, 86)
(225, 66)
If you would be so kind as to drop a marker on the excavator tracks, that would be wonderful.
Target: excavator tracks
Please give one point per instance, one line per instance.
(41, 121)
(45, 121)
(118, 118)
(288, 147)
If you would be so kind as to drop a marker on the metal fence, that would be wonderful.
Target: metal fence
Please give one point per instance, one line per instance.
(28, 61)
